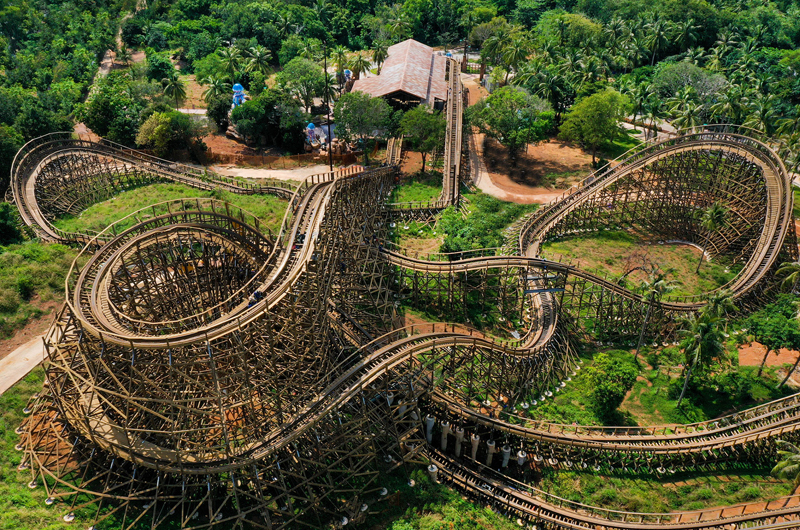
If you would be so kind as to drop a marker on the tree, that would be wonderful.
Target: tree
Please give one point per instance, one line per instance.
(217, 88)
(10, 142)
(790, 272)
(701, 344)
(775, 326)
(594, 120)
(380, 54)
(167, 131)
(359, 65)
(272, 115)
(513, 117)
(174, 88)
(654, 288)
(231, 60)
(789, 466)
(217, 110)
(259, 59)
(610, 380)
(158, 66)
(714, 217)
(425, 130)
(339, 55)
(359, 116)
(303, 79)
(9, 231)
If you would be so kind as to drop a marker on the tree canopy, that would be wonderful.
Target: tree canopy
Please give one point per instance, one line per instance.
(594, 121)
(424, 130)
(513, 117)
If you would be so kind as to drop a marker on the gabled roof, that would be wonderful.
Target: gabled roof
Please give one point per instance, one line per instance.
(410, 67)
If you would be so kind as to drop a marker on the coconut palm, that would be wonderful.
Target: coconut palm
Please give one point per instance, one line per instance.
(359, 65)
(686, 33)
(310, 50)
(653, 289)
(702, 343)
(762, 114)
(720, 303)
(615, 30)
(329, 91)
(380, 54)
(789, 466)
(637, 50)
(399, 25)
(259, 59)
(217, 87)
(515, 54)
(231, 61)
(174, 88)
(639, 94)
(124, 55)
(339, 56)
(726, 39)
(695, 55)
(659, 31)
(714, 218)
(790, 272)
(654, 112)
(731, 105)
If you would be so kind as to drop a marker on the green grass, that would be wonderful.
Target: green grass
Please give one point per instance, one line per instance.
(429, 506)
(624, 142)
(22, 508)
(31, 274)
(679, 492)
(616, 252)
(796, 209)
(98, 216)
(420, 188)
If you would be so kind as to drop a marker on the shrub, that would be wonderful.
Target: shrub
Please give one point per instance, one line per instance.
(611, 379)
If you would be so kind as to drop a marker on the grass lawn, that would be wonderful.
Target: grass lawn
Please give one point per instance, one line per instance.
(679, 492)
(624, 142)
(419, 188)
(31, 282)
(616, 252)
(98, 216)
(796, 209)
(22, 508)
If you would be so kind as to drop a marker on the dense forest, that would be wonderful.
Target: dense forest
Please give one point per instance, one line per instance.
(687, 61)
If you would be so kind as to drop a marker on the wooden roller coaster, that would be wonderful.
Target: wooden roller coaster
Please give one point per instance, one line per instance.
(206, 372)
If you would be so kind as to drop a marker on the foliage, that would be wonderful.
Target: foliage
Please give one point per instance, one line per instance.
(10, 143)
(303, 79)
(359, 116)
(9, 232)
(167, 131)
(424, 130)
(776, 325)
(158, 66)
(482, 227)
(217, 111)
(274, 116)
(610, 378)
(512, 117)
(789, 465)
(594, 121)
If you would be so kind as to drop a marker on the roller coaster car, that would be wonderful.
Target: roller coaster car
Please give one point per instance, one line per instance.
(299, 241)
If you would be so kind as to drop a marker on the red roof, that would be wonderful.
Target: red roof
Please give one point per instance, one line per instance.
(411, 67)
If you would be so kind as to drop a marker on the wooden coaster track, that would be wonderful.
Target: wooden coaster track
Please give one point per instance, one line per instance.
(206, 372)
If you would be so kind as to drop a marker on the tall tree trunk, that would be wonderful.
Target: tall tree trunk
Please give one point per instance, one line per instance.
(763, 362)
(644, 327)
(424, 156)
(702, 254)
(685, 384)
(790, 372)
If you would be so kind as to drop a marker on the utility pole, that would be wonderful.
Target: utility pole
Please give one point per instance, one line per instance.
(327, 102)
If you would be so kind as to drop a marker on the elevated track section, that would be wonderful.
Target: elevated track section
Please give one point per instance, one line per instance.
(206, 372)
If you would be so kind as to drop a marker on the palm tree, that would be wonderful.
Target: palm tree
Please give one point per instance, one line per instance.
(659, 35)
(259, 59)
(309, 50)
(790, 271)
(380, 54)
(231, 59)
(399, 25)
(790, 125)
(174, 88)
(688, 117)
(515, 54)
(217, 87)
(701, 344)
(714, 217)
(654, 288)
(719, 303)
(686, 33)
(359, 64)
(762, 114)
(789, 466)
(694, 55)
(339, 55)
(640, 94)
(716, 59)
(654, 111)
(329, 92)
(731, 105)
(125, 56)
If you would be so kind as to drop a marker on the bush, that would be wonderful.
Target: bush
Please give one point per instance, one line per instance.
(9, 232)
(158, 65)
(217, 111)
(611, 378)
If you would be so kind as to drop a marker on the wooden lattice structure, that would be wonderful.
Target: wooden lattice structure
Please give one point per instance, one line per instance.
(206, 372)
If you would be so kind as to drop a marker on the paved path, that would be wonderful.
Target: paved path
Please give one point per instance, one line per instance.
(280, 174)
(20, 362)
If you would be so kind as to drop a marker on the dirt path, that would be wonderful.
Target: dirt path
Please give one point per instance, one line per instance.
(281, 174)
(552, 157)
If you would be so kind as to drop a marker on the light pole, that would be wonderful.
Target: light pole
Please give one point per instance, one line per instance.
(327, 101)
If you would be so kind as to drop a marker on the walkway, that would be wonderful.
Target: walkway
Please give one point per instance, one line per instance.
(20, 362)
(279, 174)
